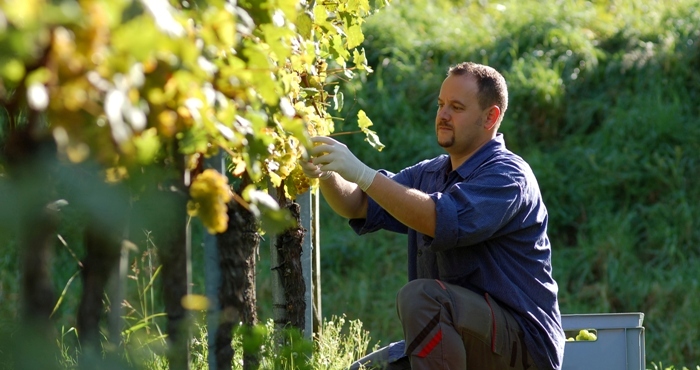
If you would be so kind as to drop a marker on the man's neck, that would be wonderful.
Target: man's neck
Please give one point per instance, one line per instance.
(458, 159)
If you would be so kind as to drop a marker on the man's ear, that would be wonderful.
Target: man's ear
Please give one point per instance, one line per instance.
(492, 116)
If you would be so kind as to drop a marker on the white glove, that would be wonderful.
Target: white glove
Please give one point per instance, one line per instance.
(338, 158)
(313, 171)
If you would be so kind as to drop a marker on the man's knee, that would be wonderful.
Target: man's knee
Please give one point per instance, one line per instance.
(419, 290)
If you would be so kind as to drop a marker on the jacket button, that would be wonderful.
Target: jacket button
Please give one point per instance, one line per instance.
(420, 253)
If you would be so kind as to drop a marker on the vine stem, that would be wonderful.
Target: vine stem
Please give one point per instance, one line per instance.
(346, 133)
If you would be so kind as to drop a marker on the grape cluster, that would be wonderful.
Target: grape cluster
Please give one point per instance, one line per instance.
(298, 183)
(209, 194)
(583, 335)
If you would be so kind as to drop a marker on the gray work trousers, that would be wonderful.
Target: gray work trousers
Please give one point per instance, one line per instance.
(450, 327)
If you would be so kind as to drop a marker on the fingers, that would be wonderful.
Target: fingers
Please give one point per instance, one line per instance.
(307, 166)
(325, 144)
(310, 169)
(315, 151)
(324, 140)
(329, 155)
(323, 160)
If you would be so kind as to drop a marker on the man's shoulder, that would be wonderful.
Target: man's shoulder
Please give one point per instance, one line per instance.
(431, 165)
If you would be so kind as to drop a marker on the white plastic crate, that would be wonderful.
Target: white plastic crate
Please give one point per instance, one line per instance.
(619, 344)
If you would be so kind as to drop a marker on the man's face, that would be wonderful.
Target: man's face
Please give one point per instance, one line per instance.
(459, 122)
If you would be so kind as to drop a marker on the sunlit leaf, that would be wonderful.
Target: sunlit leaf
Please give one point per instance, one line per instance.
(320, 16)
(13, 70)
(338, 98)
(371, 137)
(355, 36)
(339, 50)
(136, 39)
(147, 146)
(273, 219)
(23, 13)
(304, 25)
(279, 39)
(360, 60)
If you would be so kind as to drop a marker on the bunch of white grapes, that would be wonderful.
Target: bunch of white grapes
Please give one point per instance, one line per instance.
(583, 335)
(209, 195)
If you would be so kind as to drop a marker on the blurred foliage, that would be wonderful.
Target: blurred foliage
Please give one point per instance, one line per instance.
(111, 104)
(131, 84)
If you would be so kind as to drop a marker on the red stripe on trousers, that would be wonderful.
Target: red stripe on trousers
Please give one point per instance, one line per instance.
(431, 345)
(441, 284)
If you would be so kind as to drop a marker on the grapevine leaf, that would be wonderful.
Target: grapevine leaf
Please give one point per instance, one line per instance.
(278, 40)
(355, 36)
(259, 65)
(147, 146)
(338, 99)
(297, 128)
(273, 218)
(359, 5)
(288, 7)
(275, 179)
(340, 53)
(13, 70)
(225, 24)
(364, 123)
(136, 39)
(320, 17)
(360, 60)
(253, 165)
(304, 24)
(193, 141)
(276, 221)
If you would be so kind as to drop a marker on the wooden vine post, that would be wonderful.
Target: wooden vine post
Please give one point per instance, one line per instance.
(301, 314)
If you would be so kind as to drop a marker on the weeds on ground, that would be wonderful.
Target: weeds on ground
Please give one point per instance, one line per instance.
(660, 366)
(144, 343)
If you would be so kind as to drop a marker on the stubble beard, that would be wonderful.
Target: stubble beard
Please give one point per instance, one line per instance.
(446, 143)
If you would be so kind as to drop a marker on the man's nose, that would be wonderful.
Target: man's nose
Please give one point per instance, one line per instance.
(444, 114)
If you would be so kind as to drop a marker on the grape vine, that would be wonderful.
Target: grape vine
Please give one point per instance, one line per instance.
(132, 83)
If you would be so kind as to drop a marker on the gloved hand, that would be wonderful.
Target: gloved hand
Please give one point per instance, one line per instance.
(333, 155)
(313, 171)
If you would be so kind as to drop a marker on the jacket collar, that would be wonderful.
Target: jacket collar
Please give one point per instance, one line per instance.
(444, 165)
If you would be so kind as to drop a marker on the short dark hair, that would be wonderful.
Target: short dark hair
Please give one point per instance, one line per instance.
(492, 86)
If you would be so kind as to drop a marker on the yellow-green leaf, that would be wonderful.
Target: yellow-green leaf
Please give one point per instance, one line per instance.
(147, 146)
(355, 36)
(360, 60)
(13, 70)
(304, 24)
(320, 16)
(371, 137)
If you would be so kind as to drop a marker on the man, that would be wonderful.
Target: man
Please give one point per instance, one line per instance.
(480, 293)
